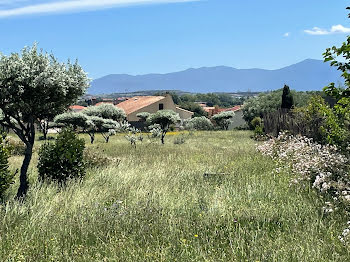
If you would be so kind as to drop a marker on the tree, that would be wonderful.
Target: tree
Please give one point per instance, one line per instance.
(270, 102)
(88, 124)
(72, 120)
(143, 116)
(195, 108)
(106, 111)
(287, 98)
(34, 86)
(223, 119)
(104, 119)
(164, 118)
(199, 123)
(331, 55)
(106, 127)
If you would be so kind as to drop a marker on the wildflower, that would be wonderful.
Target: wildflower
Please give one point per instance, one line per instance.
(195, 236)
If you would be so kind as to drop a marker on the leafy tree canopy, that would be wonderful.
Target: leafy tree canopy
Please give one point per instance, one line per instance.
(223, 119)
(106, 111)
(332, 55)
(164, 118)
(35, 86)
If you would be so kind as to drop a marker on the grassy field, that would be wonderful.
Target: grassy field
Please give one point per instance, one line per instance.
(165, 203)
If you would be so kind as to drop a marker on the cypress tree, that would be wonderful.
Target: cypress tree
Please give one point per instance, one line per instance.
(287, 98)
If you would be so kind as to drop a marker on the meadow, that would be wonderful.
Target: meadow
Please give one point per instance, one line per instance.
(213, 198)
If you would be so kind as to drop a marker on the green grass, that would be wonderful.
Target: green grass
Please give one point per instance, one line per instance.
(157, 205)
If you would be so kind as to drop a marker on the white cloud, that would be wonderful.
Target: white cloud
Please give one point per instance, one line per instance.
(335, 29)
(286, 34)
(75, 6)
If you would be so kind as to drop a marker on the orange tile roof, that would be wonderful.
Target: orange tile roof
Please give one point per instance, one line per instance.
(234, 109)
(136, 103)
(76, 107)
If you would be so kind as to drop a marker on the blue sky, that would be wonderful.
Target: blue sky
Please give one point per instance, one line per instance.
(159, 36)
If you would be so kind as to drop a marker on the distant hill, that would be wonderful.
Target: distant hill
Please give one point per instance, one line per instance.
(307, 75)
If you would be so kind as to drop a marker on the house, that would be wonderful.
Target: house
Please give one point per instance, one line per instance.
(151, 104)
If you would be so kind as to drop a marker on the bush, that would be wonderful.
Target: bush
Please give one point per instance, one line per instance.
(256, 122)
(93, 159)
(318, 121)
(15, 147)
(63, 159)
(6, 178)
(199, 123)
(179, 140)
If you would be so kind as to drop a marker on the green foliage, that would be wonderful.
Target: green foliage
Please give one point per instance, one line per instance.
(257, 121)
(106, 111)
(16, 147)
(63, 159)
(164, 118)
(195, 108)
(35, 86)
(287, 98)
(343, 64)
(72, 120)
(321, 123)
(270, 102)
(134, 135)
(143, 116)
(199, 123)
(6, 178)
(223, 119)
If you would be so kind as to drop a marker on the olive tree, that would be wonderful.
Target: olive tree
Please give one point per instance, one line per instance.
(106, 111)
(223, 119)
(88, 124)
(73, 120)
(104, 119)
(164, 118)
(143, 116)
(199, 123)
(34, 85)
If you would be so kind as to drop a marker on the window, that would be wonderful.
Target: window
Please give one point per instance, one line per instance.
(161, 106)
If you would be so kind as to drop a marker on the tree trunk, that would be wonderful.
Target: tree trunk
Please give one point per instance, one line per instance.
(92, 138)
(24, 185)
(23, 178)
(162, 138)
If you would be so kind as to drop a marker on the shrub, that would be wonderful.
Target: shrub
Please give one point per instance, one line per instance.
(6, 178)
(323, 165)
(321, 123)
(62, 159)
(179, 140)
(256, 122)
(15, 147)
(93, 159)
(199, 123)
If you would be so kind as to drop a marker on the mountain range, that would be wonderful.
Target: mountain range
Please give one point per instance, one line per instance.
(307, 75)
